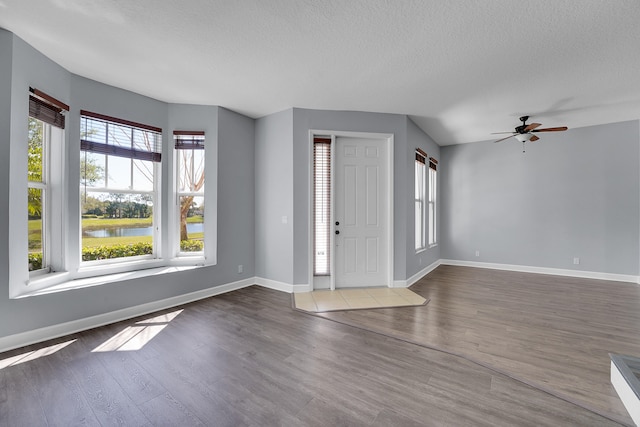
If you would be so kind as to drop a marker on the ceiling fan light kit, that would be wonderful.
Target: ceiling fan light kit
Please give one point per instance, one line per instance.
(524, 137)
(524, 132)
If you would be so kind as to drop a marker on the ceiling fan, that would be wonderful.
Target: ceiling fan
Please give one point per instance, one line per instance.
(524, 132)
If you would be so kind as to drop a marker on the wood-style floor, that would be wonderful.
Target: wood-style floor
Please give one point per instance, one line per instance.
(248, 358)
(552, 332)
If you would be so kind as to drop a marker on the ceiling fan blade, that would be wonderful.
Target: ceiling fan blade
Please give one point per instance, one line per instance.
(505, 138)
(558, 129)
(498, 133)
(533, 138)
(532, 126)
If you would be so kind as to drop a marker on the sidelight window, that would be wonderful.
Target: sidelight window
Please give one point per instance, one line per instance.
(321, 206)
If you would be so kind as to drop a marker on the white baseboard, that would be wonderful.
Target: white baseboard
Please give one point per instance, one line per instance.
(419, 275)
(544, 270)
(301, 288)
(54, 331)
(274, 284)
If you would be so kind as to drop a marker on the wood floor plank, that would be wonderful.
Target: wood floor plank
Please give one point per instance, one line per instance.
(15, 389)
(110, 404)
(62, 399)
(165, 410)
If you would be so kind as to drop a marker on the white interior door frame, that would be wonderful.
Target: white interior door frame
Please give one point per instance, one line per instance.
(388, 138)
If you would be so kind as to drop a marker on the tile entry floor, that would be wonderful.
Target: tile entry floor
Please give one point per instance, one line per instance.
(357, 298)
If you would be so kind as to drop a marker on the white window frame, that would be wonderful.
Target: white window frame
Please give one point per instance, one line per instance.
(54, 206)
(433, 206)
(322, 205)
(155, 194)
(420, 190)
(200, 137)
(44, 187)
(53, 210)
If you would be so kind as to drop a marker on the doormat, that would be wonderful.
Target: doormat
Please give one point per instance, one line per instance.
(356, 299)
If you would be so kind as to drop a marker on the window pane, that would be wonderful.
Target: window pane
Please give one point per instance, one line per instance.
(119, 172)
(419, 234)
(191, 223)
(190, 170)
(142, 175)
(92, 169)
(419, 180)
(432, 224)
(116, 225)
(36, 230)
(36, 150)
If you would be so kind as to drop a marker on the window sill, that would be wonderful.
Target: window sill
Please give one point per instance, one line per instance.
(419, 251)
(101, 280)
(433, 245)
(95, 274)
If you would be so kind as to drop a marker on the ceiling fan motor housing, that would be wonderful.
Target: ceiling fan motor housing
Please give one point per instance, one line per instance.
(521, 129)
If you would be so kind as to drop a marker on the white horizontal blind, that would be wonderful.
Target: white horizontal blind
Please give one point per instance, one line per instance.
(116, 137)
(322, 206)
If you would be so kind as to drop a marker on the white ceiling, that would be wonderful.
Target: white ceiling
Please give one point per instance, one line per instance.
(460, 68)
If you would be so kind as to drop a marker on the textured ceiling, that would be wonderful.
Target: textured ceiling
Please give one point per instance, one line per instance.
(460, 68)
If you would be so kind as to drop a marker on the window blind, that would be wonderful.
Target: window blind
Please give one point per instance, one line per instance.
(322, 206)
(421, 156)
(46, 108)
(188, 140)
(117, 137)
(433, 163)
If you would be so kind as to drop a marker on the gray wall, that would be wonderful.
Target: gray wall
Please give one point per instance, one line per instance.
(236, 201)
(274, 197)
(235, 139)
(6, 54)
(573, 194)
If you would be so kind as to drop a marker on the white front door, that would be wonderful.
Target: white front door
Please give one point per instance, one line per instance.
(361, 212)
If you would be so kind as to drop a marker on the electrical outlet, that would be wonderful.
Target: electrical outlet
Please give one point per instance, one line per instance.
(240, 269)
(576, 261)
(477, 253)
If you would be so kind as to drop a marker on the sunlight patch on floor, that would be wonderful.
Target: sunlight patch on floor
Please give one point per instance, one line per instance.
(356, 299)
(135, 337)
(32, 355)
